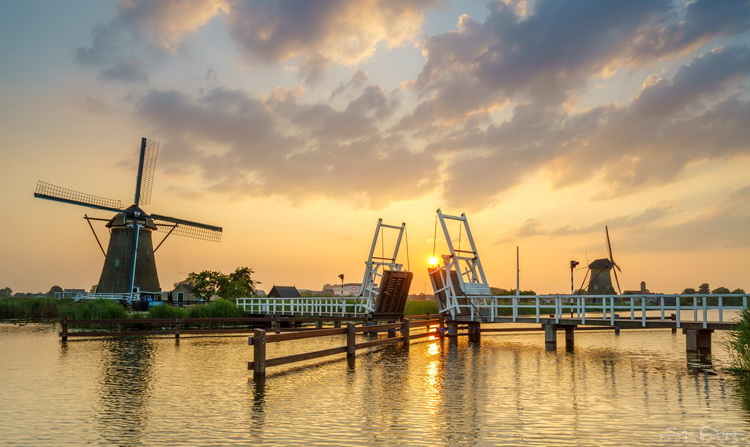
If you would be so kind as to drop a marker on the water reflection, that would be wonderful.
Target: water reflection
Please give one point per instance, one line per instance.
(508, 391)
(124, 390)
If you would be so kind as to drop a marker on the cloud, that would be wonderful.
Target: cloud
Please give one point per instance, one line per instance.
(698, 115)
(322, 32)
(723, 225)
(554, 50)
(243, 146)
(142, 32)
(532, 227)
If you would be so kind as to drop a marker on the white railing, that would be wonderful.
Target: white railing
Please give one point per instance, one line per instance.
(311, 306)
(127, 297)
(611, 307)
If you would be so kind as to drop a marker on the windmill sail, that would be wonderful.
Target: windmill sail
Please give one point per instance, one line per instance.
(49, 191)
(182, 227)
(146, 167)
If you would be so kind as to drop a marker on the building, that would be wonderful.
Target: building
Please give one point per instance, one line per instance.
(183, 293)
(350, 289)
(284, 292)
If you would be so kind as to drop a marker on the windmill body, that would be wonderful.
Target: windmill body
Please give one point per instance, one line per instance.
(129, 264)
(600, 272)
(115, 277)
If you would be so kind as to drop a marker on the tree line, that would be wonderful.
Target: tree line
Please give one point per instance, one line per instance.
(705, 289)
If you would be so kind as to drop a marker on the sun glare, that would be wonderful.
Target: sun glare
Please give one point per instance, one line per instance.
(433, 261)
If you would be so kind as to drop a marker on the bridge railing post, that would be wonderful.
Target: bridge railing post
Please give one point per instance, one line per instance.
(721, 308)
(612, 310)
(678, 303)
(643, 311)
(705, 312)
(695, 308)
(583, 310)
(661, 306)
(538, 310)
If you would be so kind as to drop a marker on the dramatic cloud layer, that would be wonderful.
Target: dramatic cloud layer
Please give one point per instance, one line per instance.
(339, 153)
(443, 129)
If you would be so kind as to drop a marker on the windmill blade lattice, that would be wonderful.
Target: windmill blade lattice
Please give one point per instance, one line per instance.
(146, 168)
(186, 228)
(49, 191)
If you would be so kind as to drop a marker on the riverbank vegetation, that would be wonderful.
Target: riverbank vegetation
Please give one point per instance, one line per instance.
(51, 309)
(738, 344)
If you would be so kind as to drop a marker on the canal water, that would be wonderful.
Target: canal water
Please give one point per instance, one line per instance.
(634, 389)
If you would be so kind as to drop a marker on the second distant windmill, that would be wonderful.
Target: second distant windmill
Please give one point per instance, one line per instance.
(599, 272)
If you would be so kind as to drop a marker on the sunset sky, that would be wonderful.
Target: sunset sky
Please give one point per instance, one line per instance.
(295, 125)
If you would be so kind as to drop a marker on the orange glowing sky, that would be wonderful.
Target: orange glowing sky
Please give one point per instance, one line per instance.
(296, 125)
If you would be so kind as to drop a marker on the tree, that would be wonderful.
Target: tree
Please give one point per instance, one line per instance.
(6, 292)
(689, 291)
(704, 288)
(209, 283)
(720, 291)
(739, 291)
(238, 284)
(495, 291)
(206, 284)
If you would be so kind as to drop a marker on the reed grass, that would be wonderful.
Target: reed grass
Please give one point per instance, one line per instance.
(166, 311)
(738, 343)
(29, 308)
(216, 309)
(420, 307)
(94, 310)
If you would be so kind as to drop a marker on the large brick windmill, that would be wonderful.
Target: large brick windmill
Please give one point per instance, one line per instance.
(129, 263)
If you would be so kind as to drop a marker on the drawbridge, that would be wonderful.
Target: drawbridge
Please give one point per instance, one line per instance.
(383, 292)
(460, 284)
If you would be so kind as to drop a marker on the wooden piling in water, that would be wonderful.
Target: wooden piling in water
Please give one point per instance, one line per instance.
(259, 352)
(351, 340)
(550, 337)
(405, 332)
(570, 338)
(64, 329)
(698, 340)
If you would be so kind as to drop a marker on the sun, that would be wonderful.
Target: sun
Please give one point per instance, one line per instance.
(433, 261)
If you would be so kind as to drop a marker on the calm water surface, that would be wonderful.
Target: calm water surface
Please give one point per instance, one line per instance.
(632, 389)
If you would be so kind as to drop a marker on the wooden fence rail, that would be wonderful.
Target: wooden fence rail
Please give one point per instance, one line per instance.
(260, 340)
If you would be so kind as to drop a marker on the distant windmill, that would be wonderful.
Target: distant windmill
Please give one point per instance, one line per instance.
(600, 273)
(129, 263)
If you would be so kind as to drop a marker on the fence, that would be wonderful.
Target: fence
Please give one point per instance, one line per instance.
(635, 307)
(331, 306)
(260, 340)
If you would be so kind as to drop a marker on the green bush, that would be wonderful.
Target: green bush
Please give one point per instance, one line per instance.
(420, 307)
(738, 343)
(165, 311)
(216, 309)
(94, 310)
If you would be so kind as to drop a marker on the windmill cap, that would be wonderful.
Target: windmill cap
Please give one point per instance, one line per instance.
(603, 263)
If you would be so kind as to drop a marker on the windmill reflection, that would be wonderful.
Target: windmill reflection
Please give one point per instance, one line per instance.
(125, 390)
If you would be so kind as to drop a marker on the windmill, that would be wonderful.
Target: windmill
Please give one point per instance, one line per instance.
(129, 264)
(600, 272)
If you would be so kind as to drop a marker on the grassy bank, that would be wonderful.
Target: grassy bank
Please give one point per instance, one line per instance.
(738, 344)
(31, 308)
